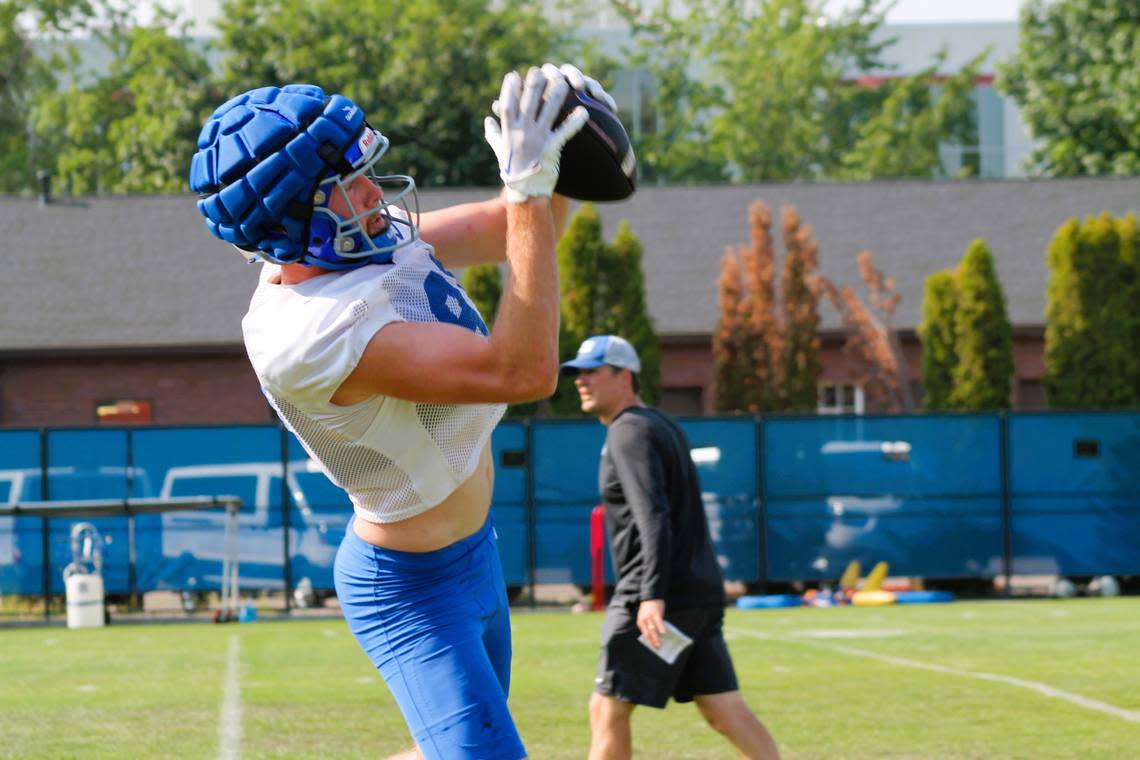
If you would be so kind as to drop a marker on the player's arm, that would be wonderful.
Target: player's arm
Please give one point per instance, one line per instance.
(476, 233)
(442, 363)
(642, 473)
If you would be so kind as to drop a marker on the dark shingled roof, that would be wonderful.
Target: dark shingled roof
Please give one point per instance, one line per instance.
(141, 271)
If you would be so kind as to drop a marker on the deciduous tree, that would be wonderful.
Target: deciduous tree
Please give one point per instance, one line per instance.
(800, 288)
(764, 91)
(763, 336)
(901, 137)
(424, 72)
(729, 360)
(1075, 79)
(133, 127)
(22, 74)
(764, 349)
(871, 340)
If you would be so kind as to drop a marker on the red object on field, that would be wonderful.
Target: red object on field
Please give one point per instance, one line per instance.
(598, 556)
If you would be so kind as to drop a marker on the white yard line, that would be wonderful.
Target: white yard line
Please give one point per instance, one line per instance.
(1132, 716)
(229, 729)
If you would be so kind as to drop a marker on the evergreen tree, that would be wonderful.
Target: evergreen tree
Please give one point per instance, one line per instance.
(1069, 342)
(1092, 355)
(603, 291)
(626, 313)
(936, 332)
(581, 255)
(1130, 282)
(983, 336)
(800, 346)
(484, 283)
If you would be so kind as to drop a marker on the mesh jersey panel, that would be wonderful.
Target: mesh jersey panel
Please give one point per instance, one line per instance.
(395, 458)
(382, 491)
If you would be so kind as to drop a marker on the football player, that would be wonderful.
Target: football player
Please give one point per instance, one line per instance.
(375, 357)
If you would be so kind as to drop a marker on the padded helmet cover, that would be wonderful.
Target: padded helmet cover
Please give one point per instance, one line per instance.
(261, 157)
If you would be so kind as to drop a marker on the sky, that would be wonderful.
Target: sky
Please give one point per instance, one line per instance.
(904, 11)
(932, 11)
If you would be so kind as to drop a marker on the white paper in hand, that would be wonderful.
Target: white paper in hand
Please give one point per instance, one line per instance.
(673, 642)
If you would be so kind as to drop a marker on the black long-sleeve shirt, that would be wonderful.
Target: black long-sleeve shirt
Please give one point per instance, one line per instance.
(659, 537)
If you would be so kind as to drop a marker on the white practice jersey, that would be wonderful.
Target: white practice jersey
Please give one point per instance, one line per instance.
(395, 458)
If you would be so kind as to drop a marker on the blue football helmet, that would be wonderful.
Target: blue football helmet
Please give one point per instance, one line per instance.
(269, 162)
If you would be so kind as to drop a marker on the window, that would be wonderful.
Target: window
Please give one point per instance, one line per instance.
(840, 398)
(123, 411)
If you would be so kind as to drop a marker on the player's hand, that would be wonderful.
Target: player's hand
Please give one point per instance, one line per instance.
(580, 82)
(651, 620)
(524, 137)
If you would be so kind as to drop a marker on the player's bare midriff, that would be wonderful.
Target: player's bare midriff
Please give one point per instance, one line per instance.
(458, 516)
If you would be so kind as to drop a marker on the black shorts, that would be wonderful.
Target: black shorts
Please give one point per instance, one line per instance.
(630, 671)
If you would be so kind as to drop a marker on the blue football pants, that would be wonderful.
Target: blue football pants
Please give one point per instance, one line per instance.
(437, 627)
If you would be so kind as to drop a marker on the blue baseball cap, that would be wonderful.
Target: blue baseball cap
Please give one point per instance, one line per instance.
(599, 350)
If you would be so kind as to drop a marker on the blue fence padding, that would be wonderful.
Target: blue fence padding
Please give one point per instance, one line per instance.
(923, 597)
(566, 456)
(1075, 454)
(820, 456)
(19, 460)
(922, 493)
(508, 445)
(241, 460)
(769, 601)
(83, 464)
(724, 451)
(926, 544)
(1097, 536)
(1075, 493)
(725, 455)
(926, 493)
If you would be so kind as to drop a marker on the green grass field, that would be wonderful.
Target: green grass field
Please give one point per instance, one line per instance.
(1021, 679)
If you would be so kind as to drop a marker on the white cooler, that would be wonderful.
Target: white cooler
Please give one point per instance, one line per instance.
(84, 600)
(83, 579)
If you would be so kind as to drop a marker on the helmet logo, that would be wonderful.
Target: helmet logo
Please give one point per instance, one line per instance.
(319, 197)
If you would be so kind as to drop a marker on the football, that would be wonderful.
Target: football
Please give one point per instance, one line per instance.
(597, 164)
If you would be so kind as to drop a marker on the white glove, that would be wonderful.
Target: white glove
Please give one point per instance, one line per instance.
(580, 82)
(524, 138)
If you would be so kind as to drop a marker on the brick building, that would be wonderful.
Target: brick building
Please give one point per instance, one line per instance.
(116, 308)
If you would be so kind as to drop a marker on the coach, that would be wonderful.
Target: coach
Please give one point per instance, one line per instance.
(669, 585)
